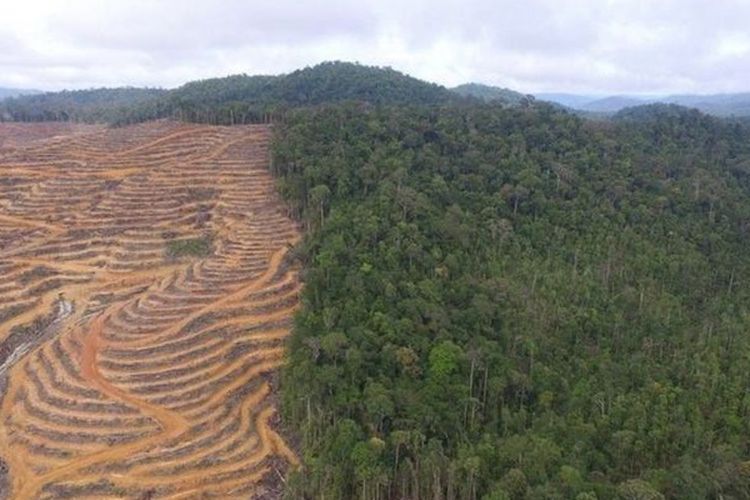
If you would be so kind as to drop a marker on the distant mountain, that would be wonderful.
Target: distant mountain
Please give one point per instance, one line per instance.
(567, 100)
(489, 93)
(243, 98)
(326, 82)
(658, 112)
(717, 104)
(598, 105)
(724, 105)
(612, 104)
(8, 92)
(341, 81)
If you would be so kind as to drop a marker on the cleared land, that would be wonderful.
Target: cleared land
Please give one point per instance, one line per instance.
(144, 299)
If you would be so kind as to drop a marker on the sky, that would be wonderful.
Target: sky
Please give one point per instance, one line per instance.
(577, 46)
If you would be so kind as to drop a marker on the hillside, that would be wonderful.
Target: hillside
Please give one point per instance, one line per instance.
(566, 100)
(489, 93)
(8, 92)
(517, 303)
(242, 98)
(722, 105)
(662, 113)
(146, 295)
(719, 104)
(611, 104)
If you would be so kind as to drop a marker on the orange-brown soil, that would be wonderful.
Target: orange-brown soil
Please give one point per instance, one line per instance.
(151, 375)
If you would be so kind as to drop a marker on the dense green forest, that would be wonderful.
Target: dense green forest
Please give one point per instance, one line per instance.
(242, 98)
(502, 300)
(517, 303)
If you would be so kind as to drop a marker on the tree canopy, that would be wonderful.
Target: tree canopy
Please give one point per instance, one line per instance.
(518, 303)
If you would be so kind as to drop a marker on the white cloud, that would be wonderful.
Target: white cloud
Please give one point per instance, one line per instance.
(604, 46)
(733, 45)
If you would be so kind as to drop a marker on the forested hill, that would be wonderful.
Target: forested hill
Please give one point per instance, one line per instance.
(722, 105)
(692, 120)
(233, 99)
(94, 105)
(239, 98)
(519, 304)
(326, 82)
(9, 92)
(489, 93)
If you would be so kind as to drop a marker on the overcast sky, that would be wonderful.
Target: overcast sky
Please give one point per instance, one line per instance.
(585, 46)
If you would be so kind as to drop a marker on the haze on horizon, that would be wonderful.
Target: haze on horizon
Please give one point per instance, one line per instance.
(585, 46)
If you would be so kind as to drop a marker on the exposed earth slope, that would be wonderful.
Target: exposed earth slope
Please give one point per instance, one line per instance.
(145, 295)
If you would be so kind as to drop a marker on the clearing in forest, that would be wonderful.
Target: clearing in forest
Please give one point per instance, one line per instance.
(145, 296)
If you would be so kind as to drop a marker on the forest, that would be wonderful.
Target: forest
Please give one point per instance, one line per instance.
(502, 300)
(517, 303)
(91, 106)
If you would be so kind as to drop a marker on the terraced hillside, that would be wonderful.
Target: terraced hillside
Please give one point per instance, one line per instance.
(144, 300)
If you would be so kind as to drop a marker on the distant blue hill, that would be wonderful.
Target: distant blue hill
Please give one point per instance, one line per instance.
(575, 101)
(716, 104)
(8, 92)
(724, 105)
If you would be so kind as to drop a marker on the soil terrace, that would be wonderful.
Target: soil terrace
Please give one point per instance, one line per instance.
(129, 371)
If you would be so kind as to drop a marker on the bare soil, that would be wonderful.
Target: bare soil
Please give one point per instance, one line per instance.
(127, 371)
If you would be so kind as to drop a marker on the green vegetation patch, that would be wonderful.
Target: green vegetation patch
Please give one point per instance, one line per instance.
(190, 247)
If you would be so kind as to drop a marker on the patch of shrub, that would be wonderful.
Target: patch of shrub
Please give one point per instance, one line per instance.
(190, 247)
